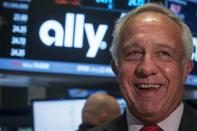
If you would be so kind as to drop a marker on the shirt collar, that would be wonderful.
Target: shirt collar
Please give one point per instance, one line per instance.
(171, 123)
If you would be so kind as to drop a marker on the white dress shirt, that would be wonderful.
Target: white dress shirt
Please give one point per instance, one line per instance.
(171, 123)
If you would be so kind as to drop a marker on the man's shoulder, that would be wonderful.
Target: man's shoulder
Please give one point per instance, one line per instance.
(189, 113)
(189, 119)
(117, 124)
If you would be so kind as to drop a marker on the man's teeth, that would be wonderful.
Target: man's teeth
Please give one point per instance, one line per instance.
(146, 86)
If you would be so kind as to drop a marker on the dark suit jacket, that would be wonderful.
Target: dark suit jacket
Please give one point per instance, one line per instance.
(188, 122)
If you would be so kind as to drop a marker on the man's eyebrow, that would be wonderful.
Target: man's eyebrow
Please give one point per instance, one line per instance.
(127, 47)
(130, 44)
(161, 45)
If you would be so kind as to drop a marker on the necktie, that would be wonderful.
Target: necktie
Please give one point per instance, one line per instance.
(151, 128)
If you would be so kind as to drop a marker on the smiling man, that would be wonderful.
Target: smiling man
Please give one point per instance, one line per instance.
(151, 54)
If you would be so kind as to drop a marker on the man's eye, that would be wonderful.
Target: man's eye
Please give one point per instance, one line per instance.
(164, 53)
(165, 56)
(133, 55)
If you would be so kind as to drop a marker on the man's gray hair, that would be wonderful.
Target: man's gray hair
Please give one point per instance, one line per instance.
(121, 22)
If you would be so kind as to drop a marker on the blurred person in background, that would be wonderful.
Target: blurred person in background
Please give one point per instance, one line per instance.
(151, 53)
(99, 108)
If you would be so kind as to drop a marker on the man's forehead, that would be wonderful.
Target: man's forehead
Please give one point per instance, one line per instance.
(149, 20)
(148, 17)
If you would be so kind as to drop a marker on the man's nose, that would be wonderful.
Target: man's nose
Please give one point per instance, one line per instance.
(147, 66)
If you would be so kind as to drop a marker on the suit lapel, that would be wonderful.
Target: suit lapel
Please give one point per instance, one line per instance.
(188, 120)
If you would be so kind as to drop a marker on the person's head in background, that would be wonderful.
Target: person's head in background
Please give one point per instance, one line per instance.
(151, 54)
(99, 108)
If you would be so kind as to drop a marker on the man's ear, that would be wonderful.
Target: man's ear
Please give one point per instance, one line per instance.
(114, 66)
(188, 68)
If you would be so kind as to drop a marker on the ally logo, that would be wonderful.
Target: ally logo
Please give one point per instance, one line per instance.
(73, 34)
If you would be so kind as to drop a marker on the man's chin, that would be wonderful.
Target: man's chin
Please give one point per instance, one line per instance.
(148, 116)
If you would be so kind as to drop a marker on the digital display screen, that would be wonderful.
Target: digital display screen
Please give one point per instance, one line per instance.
(57, 115)
(71, 37)
(49, 37)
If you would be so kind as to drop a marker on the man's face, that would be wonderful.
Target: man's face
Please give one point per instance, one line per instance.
(151, 69)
